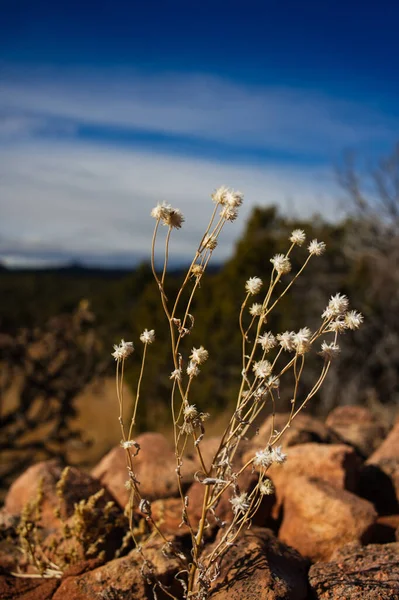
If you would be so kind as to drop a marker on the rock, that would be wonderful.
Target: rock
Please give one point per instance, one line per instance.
(303, 429)
(384, 530)
(260, 567)
(154, 467)
(319, 518)
(358, 573)
(357, 426)
(337, 464)
(389, 449)
(122, 578)
(26, 589)
(79, 485)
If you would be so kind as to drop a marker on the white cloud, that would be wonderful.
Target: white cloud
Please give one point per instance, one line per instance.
(196, 106)
(77, 200)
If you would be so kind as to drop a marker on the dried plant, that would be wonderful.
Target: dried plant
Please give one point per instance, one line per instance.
(268, 361)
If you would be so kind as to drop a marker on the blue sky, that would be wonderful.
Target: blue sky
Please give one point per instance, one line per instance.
(108, 107)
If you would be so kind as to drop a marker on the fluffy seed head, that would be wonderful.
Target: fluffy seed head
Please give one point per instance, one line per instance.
(337, 305)
(190, 412)
(219, 195)
(316, 248)
(176, 375)
(262, 369)
(298, 237)
(302, 340)
(253, 285)
(281, 263)
(286, 340)
(266, 488)
(210, 242)
(353, 319)
(147, 337)
(329, 351)
(240, 503)
(199, 355)
(256, 310)
(192, 369)
(233, 198)
(267, 341)
(122, 351)
(229, 213)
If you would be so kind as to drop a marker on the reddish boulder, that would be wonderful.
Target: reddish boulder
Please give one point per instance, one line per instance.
(260, 566)
(123, 578)
(26, 589)
(78, 486)
(358, 573)
(357, 426)
(319, 518)
(154, 467)
(384, 530)
(303, 429)
(389, 449)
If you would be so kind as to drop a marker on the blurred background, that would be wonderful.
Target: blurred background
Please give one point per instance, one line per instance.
(107, 108)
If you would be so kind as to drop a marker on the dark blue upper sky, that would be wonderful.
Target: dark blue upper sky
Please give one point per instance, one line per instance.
(330, 43)
(266, 93)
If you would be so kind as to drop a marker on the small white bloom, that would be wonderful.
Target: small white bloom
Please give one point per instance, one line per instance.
(329, 351)
(174, 218)
(302, 340)
(263, 458)
(298, 237)
(122, 351)
(219, 195)
(316, 248)
(286, 340)
(338, 325)
(176, 375)
(253, 285)
(353, 319)
(199, 355)
(230, 213)
(190, 412)
(256, 310)
(267, 341)
(197, 270)
(266, 488)
(240, 503)
(337, 305)
(161, 211)
(147, 337)
(233, 198)
(192, 369)
(278, 456)
(128, 444)
(281, 263)
(262, 369)
(260, 393)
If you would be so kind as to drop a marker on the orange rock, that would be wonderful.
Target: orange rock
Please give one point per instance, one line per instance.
(358, 426)
(154, 467)
(319, 518)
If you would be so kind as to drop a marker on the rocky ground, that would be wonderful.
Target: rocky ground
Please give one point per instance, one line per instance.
(330, 531)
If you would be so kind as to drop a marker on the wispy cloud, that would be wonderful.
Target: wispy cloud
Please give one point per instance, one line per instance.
(79, 201)
(195, 106)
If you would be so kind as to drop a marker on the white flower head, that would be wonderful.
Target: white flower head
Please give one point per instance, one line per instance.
(338, 325)
(219, 195)
(262, 369)
(286, 340)
(263, 458)
(232, 198)
(298, 237)
(278, 456)
(240, 503)
(353, 319)
(266, 488)
(273, 383)
(316, 248)
(302, 340)
(122, 351)
(210, 242)
(256, 310)
(161, 211)
(176, 375)
(329, 351)
(267, 341)
(229, 213)
(337, 305)
(174, 218)
(281, 263)
(192, 369)
(147, 337)
(253, 285)
(190, 412)
(199, 355)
